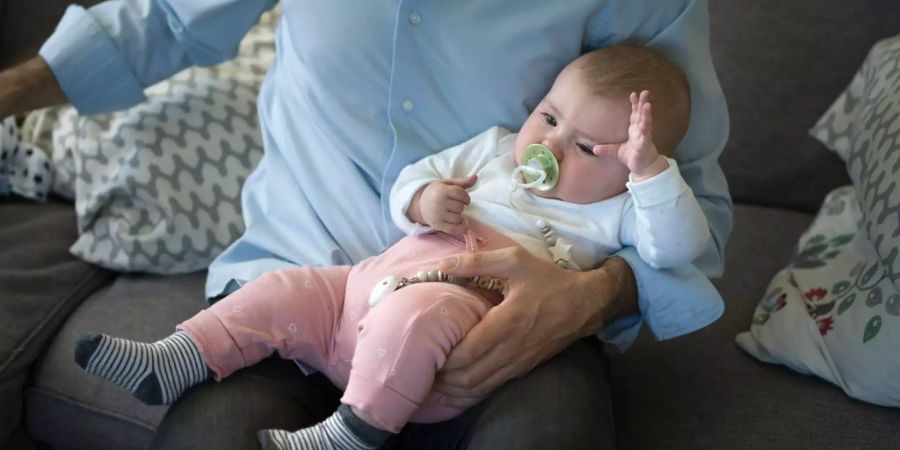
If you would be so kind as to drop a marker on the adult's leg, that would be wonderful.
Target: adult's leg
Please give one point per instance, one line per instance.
(563, 403)
(226, 415)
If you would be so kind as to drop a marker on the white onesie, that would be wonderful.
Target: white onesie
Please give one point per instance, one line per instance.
(658, 216)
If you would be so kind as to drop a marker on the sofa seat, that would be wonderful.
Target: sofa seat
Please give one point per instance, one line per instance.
(701, 391)
(698, 391)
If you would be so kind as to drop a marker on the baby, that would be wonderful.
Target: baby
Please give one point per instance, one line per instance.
(585, 176)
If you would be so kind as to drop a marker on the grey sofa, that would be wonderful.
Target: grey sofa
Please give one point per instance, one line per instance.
(781, 64)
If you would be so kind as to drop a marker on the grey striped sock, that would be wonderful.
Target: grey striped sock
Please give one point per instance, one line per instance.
(156, 373)
(334, 433)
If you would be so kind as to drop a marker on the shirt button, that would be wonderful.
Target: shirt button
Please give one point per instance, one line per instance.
(415, 18)
(407, 105)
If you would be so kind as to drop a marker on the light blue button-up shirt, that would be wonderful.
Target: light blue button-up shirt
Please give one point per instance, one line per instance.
(359, 89)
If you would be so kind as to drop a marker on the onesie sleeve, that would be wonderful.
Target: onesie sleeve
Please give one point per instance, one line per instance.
(680, 300)
(663, 220)
(456, 162)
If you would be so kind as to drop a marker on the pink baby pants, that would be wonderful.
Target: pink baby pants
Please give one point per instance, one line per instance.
(384, 357)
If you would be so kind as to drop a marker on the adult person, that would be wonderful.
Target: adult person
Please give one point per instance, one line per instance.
(358, 91)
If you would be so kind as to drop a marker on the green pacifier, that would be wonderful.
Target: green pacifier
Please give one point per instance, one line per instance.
(541, 158)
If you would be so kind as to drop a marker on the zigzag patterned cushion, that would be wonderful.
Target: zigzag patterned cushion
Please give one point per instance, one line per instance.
(863, 126)
(157, 187)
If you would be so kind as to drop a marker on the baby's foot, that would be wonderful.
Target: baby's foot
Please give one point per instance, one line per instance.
(156, 373)
(342, 431)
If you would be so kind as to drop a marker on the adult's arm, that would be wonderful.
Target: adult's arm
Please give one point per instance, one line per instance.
(678, 301)
(543, 314)
(28, 86)
(105, 56)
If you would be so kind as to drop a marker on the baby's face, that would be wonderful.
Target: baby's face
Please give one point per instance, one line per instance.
(570, 121)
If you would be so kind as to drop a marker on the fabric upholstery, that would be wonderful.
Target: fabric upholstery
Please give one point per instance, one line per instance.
(781, 65)
(68, 408)
(702, 391)
(831, 312)
(40, 285)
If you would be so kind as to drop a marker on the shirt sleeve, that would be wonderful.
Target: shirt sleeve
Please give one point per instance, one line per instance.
(456, 162)
(105, 56)
(663, 220)
(677, 301)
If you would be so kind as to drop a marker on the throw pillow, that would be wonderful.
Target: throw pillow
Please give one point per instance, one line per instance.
(863, 126)
(835, 310)
(157, 187)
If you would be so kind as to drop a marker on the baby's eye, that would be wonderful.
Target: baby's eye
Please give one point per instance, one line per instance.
(549, 119)
(586, 148)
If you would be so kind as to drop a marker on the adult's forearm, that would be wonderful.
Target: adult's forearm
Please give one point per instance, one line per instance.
(610, 292)
(28, 86)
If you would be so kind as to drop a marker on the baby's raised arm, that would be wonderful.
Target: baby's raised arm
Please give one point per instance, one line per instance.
(663, 221)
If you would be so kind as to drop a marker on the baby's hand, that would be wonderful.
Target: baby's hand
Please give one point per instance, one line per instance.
(441, 203)
(639, 153)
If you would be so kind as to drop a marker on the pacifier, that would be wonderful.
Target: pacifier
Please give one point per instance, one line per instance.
(540, 169)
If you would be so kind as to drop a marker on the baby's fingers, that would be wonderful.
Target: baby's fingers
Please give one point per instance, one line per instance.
(611, 150)
(453, 223)
(646, 124)
(633, 98)
(454, 206)
(458, 194)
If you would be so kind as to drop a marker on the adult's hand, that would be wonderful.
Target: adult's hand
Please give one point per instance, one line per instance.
(546, 308)
(28, 86)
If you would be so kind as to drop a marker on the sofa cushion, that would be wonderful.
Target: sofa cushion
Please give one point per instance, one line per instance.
(781, 64)
(701, 391)
(66, 407)
(157, 187)
(40, 285)
(863, 126)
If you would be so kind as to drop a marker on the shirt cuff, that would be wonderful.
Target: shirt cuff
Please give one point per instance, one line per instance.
(88, 66)
(660, 188)
(672, 302)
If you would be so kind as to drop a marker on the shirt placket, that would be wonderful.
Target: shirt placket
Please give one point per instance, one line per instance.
(412, 18)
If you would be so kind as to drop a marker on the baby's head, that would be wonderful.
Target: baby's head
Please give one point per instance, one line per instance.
(588, 105)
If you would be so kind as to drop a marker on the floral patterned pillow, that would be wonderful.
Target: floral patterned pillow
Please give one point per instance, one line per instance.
(835, 310)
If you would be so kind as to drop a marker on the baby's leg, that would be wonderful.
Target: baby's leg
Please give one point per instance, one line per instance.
(291, 311)
(403, 342)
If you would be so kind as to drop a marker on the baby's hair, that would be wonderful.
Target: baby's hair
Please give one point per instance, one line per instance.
(619, 70)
